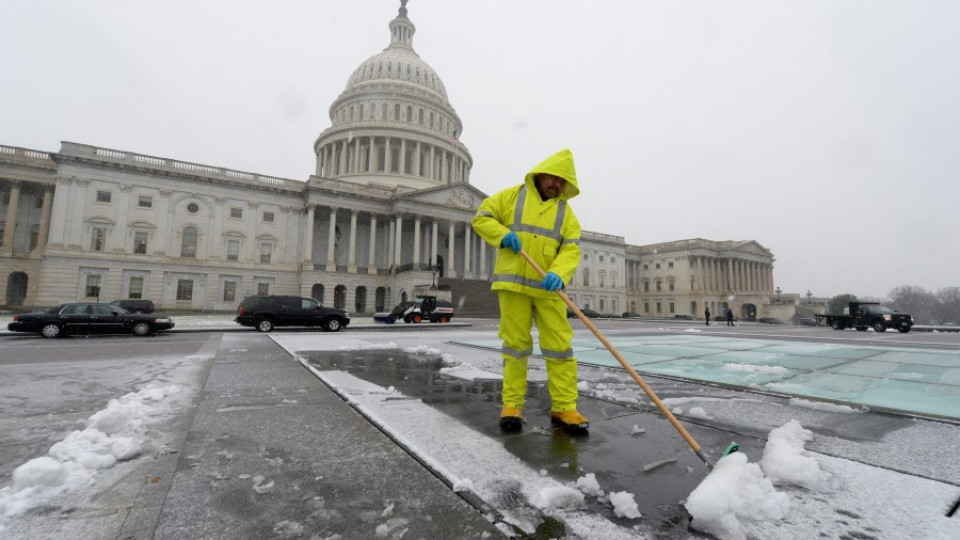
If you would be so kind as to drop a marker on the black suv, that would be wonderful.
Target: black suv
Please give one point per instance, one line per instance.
(266, 312)
(134, 305)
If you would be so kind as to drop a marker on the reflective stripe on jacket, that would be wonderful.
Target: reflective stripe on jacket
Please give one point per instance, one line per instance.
(548, 230)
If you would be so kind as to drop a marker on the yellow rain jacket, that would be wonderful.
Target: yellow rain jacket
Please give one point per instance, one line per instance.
(548, 230)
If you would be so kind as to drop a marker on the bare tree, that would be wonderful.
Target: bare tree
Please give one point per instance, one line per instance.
(948, 309)
(916, 301)
(839, 302)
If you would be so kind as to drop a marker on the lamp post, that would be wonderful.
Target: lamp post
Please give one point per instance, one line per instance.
(778, 295)
(809, 297)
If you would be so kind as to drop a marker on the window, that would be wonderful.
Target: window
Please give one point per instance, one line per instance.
(601, 276)
(5, 198)
(586, 277)
(396, 111)
(659, 286)
(184, 289)
(188, 244)
(92, 289)
(98, 237)
(409, 113)
(646, 286)
(646, 307)
(140, 242)
(659, 310)
(104, 196)
(658, 266)
(646, 267)
(193, 208)
(268, 217)
(266, 251)
(671, 307)
(601, 258)
(233, 250)
(136, 288)
(670, 264)
(236, 213)
(671, 286)
(229, 291)
(263, 289)
(145, 201)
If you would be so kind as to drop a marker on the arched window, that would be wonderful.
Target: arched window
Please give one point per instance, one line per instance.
(360, 299)
(409, 113)
(188, 244)
(380, 302)
(396, 111)
(316, 292)
(340, 297)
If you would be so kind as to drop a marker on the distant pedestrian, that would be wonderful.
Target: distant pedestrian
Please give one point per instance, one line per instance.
(706, 314)
(729, 317)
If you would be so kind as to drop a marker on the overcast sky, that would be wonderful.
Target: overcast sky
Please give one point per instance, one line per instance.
(828, 131)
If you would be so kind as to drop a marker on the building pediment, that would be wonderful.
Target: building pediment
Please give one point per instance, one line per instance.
(460, 196)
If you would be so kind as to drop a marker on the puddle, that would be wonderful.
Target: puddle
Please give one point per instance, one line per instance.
(622, 440)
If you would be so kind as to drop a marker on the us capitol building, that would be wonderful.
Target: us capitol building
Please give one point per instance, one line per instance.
(385, 214)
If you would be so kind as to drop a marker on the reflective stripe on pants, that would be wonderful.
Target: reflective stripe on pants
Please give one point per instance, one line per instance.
(517, 314)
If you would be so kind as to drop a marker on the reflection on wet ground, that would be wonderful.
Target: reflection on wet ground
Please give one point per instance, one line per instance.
(622, 439)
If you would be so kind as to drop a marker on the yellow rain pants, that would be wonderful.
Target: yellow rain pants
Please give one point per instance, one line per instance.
(517, 313)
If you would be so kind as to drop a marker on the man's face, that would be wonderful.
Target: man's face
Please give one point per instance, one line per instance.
(550, 186)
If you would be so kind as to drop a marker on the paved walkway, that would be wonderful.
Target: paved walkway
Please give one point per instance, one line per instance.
(916, 381)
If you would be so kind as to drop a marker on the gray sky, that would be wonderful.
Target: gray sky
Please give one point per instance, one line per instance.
(828, 131)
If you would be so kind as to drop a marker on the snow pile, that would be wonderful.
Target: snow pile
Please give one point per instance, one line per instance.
(624, 505)
(785, 461)
(737, 492)
(112, 434)
(734, 492)
(561, 497)
(820, 406)
(422, 350)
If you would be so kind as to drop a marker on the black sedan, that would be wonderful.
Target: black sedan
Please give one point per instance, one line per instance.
(89, 318)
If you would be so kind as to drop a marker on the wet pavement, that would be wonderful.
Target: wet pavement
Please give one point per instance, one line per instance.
(622, 440)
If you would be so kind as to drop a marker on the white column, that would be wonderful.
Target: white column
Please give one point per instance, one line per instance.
(308, 238)
(332, 241)
(11, 218)
(483, 259)
(45, 214)
(467, 271)
(352, 256)
(391, 236)
(433, 244)
(450, 271)
(372, 257)
(397, 255)
(416, 240)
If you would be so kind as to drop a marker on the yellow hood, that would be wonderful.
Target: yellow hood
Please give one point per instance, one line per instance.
(559, 164)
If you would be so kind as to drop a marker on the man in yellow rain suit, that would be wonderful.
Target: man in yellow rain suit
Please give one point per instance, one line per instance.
(536, 217)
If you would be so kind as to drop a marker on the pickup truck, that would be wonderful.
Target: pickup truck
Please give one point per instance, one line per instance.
(864, 315)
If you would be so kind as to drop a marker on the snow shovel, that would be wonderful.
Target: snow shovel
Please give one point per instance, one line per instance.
(636, 377)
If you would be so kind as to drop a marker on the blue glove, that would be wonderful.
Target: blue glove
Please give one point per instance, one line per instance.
(551, 282)
(511, 241)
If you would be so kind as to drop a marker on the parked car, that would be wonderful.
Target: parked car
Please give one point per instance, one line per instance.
(134, 305)
(683, 317)
(89, 318)
(266, 312)
(630, 315)
(586, 311)
(769, 320)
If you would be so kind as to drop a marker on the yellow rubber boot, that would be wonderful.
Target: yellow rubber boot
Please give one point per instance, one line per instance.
(569, 419)
(511, 419)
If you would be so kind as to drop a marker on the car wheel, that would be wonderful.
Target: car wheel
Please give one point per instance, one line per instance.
(879, 327)
(333, 325)
(444, 319)
(417, 319)
(141, 329)
(51, 330)
(837, 325)
(264, 325)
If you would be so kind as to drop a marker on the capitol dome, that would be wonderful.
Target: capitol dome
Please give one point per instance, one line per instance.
(393, 124)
